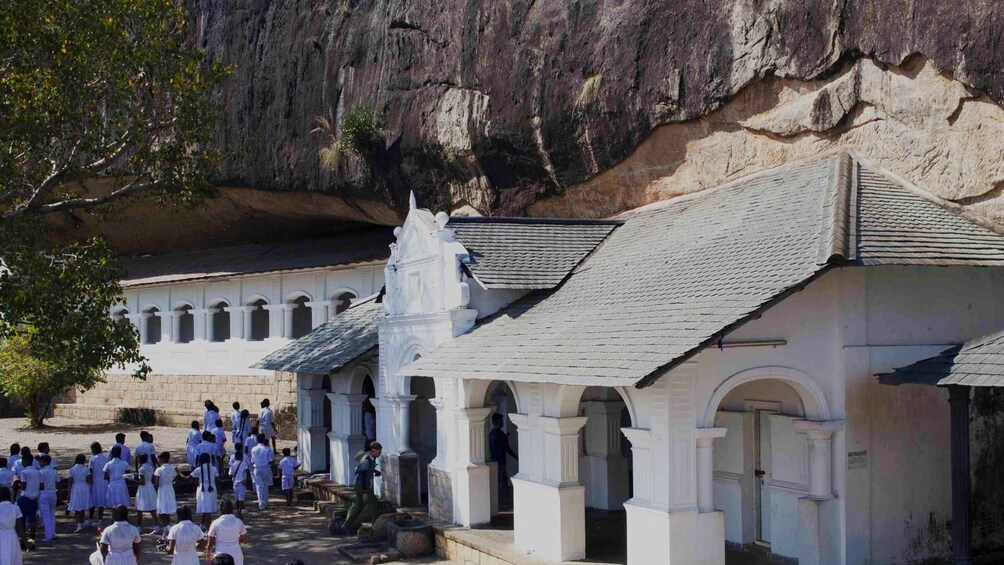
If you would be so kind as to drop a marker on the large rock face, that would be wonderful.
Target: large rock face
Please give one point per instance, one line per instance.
(587, 107)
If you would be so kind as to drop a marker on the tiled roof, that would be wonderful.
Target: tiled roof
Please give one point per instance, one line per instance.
(679, 275)
(979, 362)
(332, 345)
(527, 253)
(371, 244)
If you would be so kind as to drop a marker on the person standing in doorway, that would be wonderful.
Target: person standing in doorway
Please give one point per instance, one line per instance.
(362, 484)
(369, 422)
(498, 446)
(266, 423)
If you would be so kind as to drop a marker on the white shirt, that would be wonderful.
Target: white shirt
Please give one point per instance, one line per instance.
(49, 477)
(221, 438)
(194, 438)
(13, 460)
(205, 447)
(235, 418)
(6, 477)
(126, 454)
(288, 466)
(97, 466)
(116, 469)
(239, 470)
(209, 480)
(120, 537)
(38, 465)
(185, 535)
(150, 450)
(265, 419)
(209, 419)
(79, 474)
(9, 513)
(261, 456)
(227, 529)
(32, 481)
(165, 475)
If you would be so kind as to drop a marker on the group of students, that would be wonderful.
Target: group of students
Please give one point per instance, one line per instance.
(28, 487)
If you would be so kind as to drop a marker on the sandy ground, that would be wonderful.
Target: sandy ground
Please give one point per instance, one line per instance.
(278, 534)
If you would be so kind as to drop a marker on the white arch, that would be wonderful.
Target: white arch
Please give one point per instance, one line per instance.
(120, 310)
(411, 348)
(476, 392)
(569, 396)
(813, 398)
(151, 306)
(181, 304)
(342, 290)
(255, 298)
(217, 301)
(297, 294)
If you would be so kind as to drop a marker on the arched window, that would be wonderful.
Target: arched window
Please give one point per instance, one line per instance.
(343, 301)
(302, 317)
(259, 321)
(121, 315)
(184, 330)
(219, 328)
(151, 323)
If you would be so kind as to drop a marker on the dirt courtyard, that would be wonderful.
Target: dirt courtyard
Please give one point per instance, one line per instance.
(278, 534)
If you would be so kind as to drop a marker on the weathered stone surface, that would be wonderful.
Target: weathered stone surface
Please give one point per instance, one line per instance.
(382, 521)
(412, 538)
(493, 105)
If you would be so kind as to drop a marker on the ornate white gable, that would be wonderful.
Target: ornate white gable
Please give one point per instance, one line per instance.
(423, 275)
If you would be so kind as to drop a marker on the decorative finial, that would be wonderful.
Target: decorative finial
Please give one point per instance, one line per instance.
(411, 201)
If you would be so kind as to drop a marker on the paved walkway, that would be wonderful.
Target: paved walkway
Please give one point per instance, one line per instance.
(277, 535)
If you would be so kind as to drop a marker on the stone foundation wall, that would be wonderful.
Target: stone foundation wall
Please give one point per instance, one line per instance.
(176, 400)
(440, 494)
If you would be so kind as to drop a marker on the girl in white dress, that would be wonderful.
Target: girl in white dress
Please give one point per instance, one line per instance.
(99, 486)
(185, 539)
(210, 416)
(80, 490)
(115, 473)
(146, 494)
(240, 472)
(226, 534)
(11, 530)
(266, 423)
(194, 439)
(120, 542)
(206, 496)
(167, 502)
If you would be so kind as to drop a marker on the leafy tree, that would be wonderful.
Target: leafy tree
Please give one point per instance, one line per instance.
(100, 100)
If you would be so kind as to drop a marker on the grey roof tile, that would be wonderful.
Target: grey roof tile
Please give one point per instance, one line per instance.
(979, 362)
(677, 276)
(527, 253)
(332, 345)
(371, 244)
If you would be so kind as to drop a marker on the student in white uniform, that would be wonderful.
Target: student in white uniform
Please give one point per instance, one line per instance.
(262, 456)
(288, 465)
(115, 472)
(266, 423)
(167, 502)
(185, 539)
(206, 447)
(146, 494)
(242, 427)
(146, 446)
(11, 530)
(80, 491)
(99, 486)
(29, 483)
(6, 475)
(43, 449)
(210, 416)
(194, 439)
(15, 455)
(47, 498)
(121, 543)
(126, 454)
(220, 439)
(234, 417)
(226, 534)
(206, 495)
(240, 472)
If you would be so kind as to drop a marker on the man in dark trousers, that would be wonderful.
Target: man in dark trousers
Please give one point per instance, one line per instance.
(498, 446)
(362, 484)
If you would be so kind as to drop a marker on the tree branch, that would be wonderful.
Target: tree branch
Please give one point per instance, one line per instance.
(72, 203)
(43, 189)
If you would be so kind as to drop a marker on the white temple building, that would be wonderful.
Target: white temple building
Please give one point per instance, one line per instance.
(702, 367)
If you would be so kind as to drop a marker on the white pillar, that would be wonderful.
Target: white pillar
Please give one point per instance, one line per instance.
(275, 319)
(165, 328)
(402, 411)
(346, 437)
(706, 467)
(550, 517)
(203, 324)
(287, 319)
(240, 321)
(318, 312)
(175, 325)
(820, 456)
(471, 498)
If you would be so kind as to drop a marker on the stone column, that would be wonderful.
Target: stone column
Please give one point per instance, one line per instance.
(139, 322)
(287, 319)
(605, 467)
(550, 517)
(166, 329)
(810, 551)
(203, 324)
(962, 537)
(275, 319)
(240, 321)
(706, 467)
(472, 503)
(346, 437)
(318, 312)
(175, 325)
(313, 431)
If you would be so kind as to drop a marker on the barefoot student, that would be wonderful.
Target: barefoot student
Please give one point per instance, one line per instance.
(185, 539)
(266, 423)
(99, 485)
(263, 458)
(226, 534)
(167, 502)
(206, 497)
(288, 465)
(240, 472)
(49, 477)
(80, 490)
(146, 494)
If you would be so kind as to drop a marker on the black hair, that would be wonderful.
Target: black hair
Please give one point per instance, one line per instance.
(25, 451)
(205, 462)
(120, 513)
(3, 461)
(164, 456)
(15, 448)
(115, 452)
(285, 452)
(95, 448)
(4, 493)
(120, 437)
(208, 436)
(237, 405)
(44, 460)
(245, 413)
(239, 453)
(265, 403)
(222, 559)
(80, 459)
(496, 419)
(195, 425)
(227, 506)
(261, 438)
(184, 512)
(26, 459)
(219, 423)
(376, 445)
(208, 404)
(44, 446)
(142, 458)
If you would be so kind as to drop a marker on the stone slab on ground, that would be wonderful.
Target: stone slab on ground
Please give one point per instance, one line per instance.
(370, 553)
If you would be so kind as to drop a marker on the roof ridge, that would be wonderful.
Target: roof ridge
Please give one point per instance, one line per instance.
(837, 202)
(547, 221)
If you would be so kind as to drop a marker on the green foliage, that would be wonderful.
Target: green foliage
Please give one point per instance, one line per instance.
(54, 313)
(101, 99)
(362, 135)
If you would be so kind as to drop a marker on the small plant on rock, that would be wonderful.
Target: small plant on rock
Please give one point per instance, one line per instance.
(361, 134)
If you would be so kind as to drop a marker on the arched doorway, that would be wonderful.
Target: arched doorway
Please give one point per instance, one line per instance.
(302, 317)
(369, 412)
(151, 325)
(761, 466)
(503, 450)
(605, 470)
(184, 324)
(422, 429)
(219, 327)
(259, 321)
